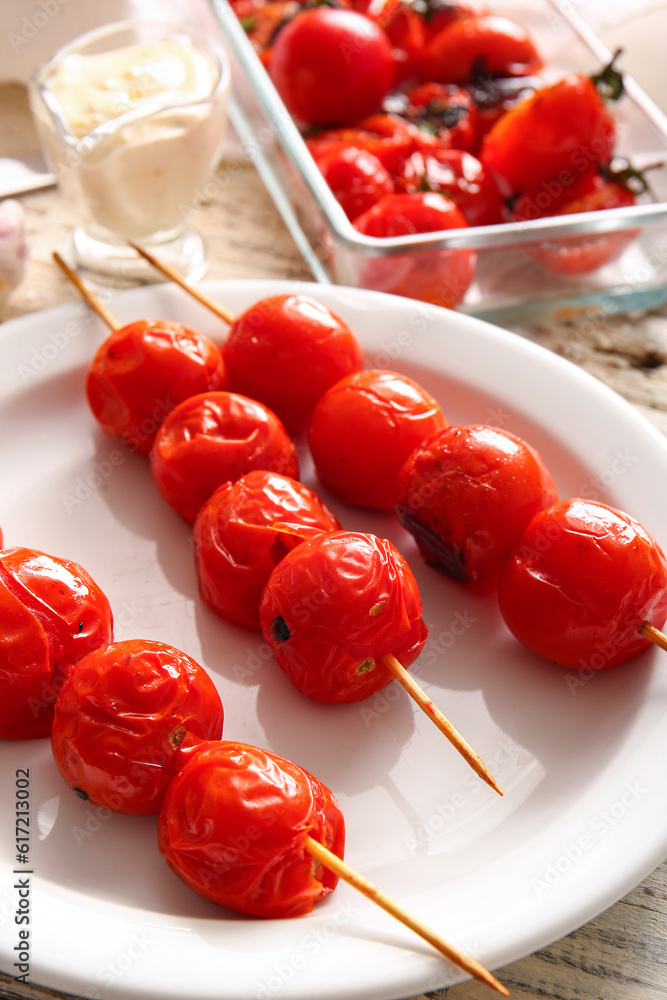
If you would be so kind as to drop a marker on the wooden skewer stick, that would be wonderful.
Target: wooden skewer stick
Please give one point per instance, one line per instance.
(353, 878)
(87, 295)
(178, 279)
(654, 635)
(443, 724)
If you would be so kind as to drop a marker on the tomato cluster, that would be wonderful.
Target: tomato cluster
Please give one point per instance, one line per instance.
(136, 726)
(399, 101)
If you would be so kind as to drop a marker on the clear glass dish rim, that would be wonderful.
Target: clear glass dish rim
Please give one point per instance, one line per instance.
(497, 237)
(82, 144)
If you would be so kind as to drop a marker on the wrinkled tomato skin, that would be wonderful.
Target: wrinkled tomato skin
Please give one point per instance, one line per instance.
(212, 439)
(466, 494)
(231, 794)
(333, 607)
(331, 66)
(51, 614)
(564, 128)
(481, 46)
(578, 254)
(357, 179)
(581, 583)
(441, 277)
(237, 547)
(142, 371)
(120, 718)
(364, 428)
(285, 351)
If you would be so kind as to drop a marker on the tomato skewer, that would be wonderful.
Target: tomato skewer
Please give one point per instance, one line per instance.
(237, 824)
(368, 889)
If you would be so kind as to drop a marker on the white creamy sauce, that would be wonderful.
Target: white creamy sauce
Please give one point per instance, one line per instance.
(143, 136)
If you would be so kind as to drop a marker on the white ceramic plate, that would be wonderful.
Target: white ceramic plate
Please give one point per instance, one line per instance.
(580, 758)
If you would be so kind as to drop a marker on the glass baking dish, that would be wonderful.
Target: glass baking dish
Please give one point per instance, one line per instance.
(510, 286)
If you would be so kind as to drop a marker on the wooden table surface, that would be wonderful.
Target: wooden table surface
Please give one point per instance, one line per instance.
(622, 954)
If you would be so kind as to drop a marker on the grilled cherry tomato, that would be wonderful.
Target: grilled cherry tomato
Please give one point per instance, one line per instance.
(389, 137)
(445, 110)
(51, 614)
(494, 95)
(237, 544)
(285, 351)
(466, 494)
(212, 439)
(581, 583)
(460, 176)
(564, 129)
(441, 277)
(331, 66)
(233, 827)
(479, 46)
(333, 607)
(143, 370)
(356, 177)
(122, 716)
(578, 254)
(364, 428)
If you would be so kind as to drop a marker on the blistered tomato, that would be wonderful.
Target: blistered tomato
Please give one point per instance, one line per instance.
(444, 109)
(466, 494)
(51, 614)
(479, 46)
(333, 607)
(559, 133)
(593, 192)
(122, 715)
(143, 370)
(285, 351)
(212, 439)
(237, 546)
(460, 176)
(364, 428)
(582, 581)
(356, 177)
(233, 827)
(441, 277)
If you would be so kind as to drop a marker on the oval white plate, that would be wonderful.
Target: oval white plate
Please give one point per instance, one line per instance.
(579, 756)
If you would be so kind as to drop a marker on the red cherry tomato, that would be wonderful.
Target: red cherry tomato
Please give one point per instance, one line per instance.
(578, 254)
(143, 370)
(51, 614)
(233, 827)
(363, 430)
(212, 439)
(562, 130)
(493, 96)
(466, 494)
(331, 66)
(443, 108)
(387, 136)
(461, 177)
(479, 46)
(356, 177)
(439, 14)
(333, 607)
(441, 277)
(285, 351)
(121, 717)
(582, 581)
(237, 546)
